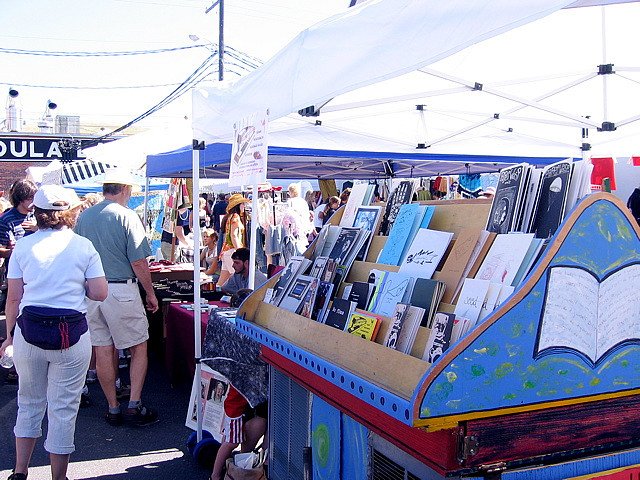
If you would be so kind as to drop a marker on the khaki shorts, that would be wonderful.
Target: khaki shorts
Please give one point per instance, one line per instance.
(120, 320)
(227, 261)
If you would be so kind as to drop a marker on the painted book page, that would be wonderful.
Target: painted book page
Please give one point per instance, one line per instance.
(564, 325)
(618, 309)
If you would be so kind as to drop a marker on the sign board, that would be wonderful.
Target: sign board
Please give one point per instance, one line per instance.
(248, 164)
(39, 149)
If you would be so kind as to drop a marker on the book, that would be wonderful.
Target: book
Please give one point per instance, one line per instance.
(360, 293)
(399, 236)
(453, 269)
(606, 320)
(318, 267)
(471, 299)
(392, 293)
(339, 314)
(439, 337)
(401, 195)
(505, 257)
(490, 300)
(368, 219)
(426, 252)
(356, 199)
(409, 330)
(293, 299)
(363, 324)
(344, 243)
(323, 297)
(552, 197)
(508, 197)
(399, 314)
(377, 278)
(296, 265)
(427, 294)
(306, 308)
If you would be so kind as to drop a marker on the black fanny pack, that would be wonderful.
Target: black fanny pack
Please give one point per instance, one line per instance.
(52, 328)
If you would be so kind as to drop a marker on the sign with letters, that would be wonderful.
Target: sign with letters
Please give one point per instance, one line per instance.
(22, 149)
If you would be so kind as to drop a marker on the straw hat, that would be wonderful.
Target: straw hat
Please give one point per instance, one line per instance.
(235, 200)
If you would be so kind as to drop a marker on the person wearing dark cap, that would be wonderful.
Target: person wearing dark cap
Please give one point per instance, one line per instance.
(120, 321)
(51, 274)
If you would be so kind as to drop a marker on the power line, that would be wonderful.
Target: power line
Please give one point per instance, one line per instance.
(119, 87)
(45, 53)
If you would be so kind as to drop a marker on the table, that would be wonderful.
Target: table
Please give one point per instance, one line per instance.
(179, 341)
(178, 271)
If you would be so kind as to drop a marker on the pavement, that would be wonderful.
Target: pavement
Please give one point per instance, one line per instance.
(114, 453)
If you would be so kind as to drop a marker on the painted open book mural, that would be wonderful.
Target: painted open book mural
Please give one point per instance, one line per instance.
(569, 334)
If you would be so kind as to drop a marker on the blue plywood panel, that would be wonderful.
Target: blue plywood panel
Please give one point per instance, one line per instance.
(501, 367)
(355, 450)
(325, 440)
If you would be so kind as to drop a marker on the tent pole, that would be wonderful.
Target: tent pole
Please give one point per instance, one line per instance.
(252, 240)
(146, 203)
(197, 333)
(605, 115)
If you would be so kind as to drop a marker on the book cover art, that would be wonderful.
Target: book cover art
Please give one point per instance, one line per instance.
(400, 196)
(506, 201)
(323, 297)
(440, 336)
(392, 293)
(505, 257)
(360, 293)
(409, 330)
(554, 187)
(306, 308)
(399, 314)
(339, 313)
(425, 253)
(318, 267)
(295, 296)
(364, 325)
(344, 244)
(356, 200)
(399, 236)
(368, 219)
(284, 280)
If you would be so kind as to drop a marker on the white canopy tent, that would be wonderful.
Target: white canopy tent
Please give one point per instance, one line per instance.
(539, 84)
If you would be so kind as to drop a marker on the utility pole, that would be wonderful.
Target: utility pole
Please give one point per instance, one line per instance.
(220, 36)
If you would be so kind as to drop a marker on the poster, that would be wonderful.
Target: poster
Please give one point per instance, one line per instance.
(209, 392)
(248, 164)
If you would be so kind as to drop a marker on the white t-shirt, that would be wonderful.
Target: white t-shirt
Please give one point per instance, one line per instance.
(317, 221)
(54, 265)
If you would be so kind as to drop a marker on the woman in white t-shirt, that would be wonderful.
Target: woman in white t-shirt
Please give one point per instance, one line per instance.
(50, 274)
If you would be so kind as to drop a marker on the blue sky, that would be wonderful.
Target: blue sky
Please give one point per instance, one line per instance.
(257, 27)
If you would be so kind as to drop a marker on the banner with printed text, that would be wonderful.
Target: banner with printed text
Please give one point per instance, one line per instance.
(249, 150)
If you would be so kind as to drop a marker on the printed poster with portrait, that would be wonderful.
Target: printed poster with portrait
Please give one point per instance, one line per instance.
(249, 150)
(208, 392)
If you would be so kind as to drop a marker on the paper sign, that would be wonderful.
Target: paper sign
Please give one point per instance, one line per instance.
(249, 151)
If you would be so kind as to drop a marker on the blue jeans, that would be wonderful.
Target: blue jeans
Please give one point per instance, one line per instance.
(52, 381)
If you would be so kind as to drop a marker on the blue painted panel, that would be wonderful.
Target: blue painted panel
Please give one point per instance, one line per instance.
(499, 369)
(385, 401)
(355, 450)
(325, 440)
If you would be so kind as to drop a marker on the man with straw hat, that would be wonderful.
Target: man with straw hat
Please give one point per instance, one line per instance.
(119, 237)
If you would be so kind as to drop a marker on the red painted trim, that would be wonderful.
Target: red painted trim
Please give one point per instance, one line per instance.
(437, 450)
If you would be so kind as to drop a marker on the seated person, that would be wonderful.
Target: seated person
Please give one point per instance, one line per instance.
(209, 254)
(240, 279)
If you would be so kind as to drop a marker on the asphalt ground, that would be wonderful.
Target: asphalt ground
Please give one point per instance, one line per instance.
(114, 453)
